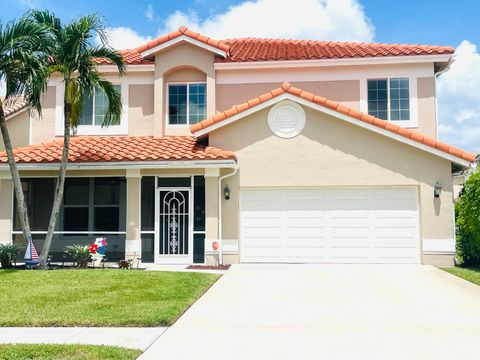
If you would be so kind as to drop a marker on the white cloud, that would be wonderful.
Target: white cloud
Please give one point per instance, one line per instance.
(459, 99)
(149, 13)
(300, 19)
(124, 38)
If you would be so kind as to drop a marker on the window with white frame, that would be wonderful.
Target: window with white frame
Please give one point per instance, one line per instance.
(94, 108)
(186, 103)
(389, 99)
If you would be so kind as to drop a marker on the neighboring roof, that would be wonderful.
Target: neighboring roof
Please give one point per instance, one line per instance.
(258, 49)
(255, 49)
(84, 149)
(248, 107)
(13, 105)
(131, 57)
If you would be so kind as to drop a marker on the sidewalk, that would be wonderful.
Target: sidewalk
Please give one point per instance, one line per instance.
(137, 338)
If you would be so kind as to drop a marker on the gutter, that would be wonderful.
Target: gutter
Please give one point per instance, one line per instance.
(121, 165)
(219, 217)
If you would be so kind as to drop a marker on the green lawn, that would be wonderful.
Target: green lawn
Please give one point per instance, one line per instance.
(470, 274)
(97, 297)
(71, 352)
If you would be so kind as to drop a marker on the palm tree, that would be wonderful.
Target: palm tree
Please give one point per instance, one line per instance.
(24, 70)
(73, 57)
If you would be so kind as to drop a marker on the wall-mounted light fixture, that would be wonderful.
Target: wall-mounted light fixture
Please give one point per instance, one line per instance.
(226, 192)
(437, 190)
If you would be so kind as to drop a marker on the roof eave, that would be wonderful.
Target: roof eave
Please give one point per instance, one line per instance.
(120, 165)
(374, 60)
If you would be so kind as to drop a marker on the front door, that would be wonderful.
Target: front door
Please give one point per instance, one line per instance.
(173, 240)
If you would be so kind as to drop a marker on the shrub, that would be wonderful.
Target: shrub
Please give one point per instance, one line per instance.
(467, 210)
(7, 252)
(80, 253)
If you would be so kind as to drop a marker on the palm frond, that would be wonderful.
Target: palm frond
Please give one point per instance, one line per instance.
(23, 61)
(114, 109)
(103, 52)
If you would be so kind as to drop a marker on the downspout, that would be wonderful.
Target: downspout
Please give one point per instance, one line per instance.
(219, 217)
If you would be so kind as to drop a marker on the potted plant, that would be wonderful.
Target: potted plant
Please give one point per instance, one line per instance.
(79, 253)
(7, 252)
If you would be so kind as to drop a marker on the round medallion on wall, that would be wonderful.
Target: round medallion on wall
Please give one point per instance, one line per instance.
(286, 119)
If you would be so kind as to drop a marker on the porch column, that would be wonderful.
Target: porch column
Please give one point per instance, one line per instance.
(133, 242)
(6, 208)
(211, 211)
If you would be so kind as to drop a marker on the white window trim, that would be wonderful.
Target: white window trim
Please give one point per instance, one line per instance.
(167, 102)
(413, 99)
(121, 129)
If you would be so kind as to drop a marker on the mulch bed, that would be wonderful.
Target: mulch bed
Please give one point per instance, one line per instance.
(208, 267)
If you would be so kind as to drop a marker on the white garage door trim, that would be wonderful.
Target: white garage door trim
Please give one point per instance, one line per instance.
(330, 225)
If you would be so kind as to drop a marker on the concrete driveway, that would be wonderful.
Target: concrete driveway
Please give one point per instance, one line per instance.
(328, 312)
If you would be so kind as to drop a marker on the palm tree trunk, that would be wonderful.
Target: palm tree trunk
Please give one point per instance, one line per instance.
(17, 184)
(59, 187)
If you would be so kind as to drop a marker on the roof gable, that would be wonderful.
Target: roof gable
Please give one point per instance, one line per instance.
(386, 128)
(183, 34)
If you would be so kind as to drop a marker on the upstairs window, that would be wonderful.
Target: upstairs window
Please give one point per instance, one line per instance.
(186, 103)
(389, 99)
(94, 108)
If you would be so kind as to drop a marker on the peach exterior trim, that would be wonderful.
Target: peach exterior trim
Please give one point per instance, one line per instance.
(287, 88)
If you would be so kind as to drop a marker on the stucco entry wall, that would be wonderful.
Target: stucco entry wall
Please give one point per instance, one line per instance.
(330, 152)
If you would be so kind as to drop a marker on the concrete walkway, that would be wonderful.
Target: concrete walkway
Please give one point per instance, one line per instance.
(328, 312)
(135, 338)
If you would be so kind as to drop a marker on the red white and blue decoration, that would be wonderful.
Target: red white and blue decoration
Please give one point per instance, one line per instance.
(98, 248)
(31, 255)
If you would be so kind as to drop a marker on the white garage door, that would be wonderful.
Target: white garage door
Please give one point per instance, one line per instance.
(357, 225)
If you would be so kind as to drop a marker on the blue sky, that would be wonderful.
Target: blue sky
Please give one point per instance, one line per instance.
(412, 21)
(445, 22)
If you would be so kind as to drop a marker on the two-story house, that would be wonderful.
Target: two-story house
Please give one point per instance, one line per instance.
(279, 150)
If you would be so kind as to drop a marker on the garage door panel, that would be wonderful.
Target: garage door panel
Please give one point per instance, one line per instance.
(360, 225)
(390, 194)
(347, 194)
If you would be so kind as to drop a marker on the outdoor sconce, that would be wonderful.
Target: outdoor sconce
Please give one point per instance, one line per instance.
(226, 192)
(437, 190)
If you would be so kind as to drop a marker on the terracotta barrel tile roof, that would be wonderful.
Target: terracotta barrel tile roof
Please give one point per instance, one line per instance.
(333, 105)
(258, 49)
(134, 57)
(120, 148)
(14, 104)
(183, 30)
(255, 49)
